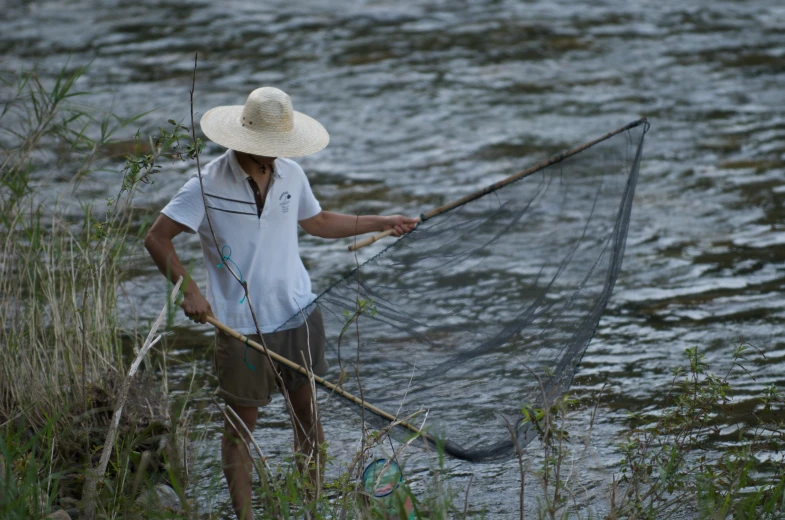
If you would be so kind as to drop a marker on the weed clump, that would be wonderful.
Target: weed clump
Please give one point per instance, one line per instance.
(699, 452)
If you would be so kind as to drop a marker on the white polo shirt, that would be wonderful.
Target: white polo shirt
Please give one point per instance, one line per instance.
(264, 250)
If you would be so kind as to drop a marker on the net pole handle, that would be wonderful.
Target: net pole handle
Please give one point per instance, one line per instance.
(319, 380)
(370, 240)
(512, 178)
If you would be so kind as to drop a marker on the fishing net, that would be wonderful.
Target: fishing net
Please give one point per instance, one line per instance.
(489, 306)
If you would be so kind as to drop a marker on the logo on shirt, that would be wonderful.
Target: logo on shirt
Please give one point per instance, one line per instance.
(284, 200)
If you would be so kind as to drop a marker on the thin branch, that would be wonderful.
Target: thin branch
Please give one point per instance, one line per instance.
(519, 453)
(263, 470)
(307, 364)
(244, 285)
(466, 499)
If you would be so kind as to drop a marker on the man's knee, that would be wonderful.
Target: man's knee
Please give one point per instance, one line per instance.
(237, 427)
(304, 409)
(232, 436)
(302, 401)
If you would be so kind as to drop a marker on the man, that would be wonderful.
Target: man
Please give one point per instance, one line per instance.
(255, 197)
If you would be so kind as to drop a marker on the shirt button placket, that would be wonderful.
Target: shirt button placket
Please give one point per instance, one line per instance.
(259, 197)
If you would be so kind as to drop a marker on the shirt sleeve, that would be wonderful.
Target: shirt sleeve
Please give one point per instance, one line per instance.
(187, 206)
(308, 206)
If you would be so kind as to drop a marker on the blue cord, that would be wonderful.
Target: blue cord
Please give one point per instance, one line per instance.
(245, 355)
(228, 258)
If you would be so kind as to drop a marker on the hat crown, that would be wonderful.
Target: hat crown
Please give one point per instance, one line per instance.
(268, 109)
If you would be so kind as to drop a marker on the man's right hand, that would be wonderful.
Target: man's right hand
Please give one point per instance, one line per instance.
(196, 307)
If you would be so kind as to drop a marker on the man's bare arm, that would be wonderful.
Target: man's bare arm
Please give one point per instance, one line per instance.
(327, 224)
(158, 243)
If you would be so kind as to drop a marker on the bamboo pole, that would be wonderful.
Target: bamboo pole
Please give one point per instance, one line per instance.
(500, 184)
(320, 380)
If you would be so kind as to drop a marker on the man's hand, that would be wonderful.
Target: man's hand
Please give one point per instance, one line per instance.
(399, 224)
(196, 307)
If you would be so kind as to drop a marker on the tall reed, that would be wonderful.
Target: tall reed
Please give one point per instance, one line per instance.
(61, 263)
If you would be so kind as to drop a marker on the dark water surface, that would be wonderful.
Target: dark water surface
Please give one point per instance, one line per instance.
(425, 101)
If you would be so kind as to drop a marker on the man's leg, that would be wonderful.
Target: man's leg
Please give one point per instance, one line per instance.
(308, 435)
(236, 461)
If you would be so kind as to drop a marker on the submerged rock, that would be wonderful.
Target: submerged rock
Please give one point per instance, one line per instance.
(71, 506)
(161, 496)
(68, 502)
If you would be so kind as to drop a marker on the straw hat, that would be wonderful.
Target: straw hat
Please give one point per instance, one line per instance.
(266, 125)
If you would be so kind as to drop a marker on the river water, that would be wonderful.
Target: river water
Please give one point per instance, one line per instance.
(417, 97)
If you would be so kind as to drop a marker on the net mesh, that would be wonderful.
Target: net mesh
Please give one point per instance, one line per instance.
(467, 316)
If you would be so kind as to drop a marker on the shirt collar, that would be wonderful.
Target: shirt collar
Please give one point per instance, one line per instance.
(237, 170)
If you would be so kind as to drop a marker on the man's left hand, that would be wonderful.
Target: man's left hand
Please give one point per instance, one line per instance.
(399, 224)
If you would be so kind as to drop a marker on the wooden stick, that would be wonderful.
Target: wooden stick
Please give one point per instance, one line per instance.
(493, 187)
(320, 380)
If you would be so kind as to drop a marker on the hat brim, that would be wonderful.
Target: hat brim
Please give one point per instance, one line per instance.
(222, 125)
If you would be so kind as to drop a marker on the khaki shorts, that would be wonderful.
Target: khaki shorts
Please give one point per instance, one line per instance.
(240, 385)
